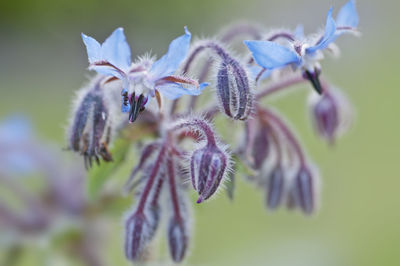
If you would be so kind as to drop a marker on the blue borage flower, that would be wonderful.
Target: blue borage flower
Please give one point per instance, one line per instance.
(302, 52)
(141, 82)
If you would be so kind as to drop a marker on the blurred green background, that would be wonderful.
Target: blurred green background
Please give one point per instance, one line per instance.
(43, 61)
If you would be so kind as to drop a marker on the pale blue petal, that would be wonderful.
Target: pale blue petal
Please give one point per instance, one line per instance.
(107, 71)
(329, 34)
(15, 128)
(93, 48)
(347, 16)
(169, 63)
(271, 55)
(116, 50)
(299, 33)
(175, 90)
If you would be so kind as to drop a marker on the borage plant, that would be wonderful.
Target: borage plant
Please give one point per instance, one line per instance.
(185, 144)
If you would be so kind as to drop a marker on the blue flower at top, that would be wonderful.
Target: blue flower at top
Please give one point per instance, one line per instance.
(303, 53)
(140, 82)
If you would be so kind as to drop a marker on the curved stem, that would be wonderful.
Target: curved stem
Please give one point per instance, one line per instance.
(271, 88)
(152, 177)
(173, 188)
(286, 131)
(196, 124)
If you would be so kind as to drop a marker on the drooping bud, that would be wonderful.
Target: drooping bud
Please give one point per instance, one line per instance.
(138, 232)
(178, 228)
(141, 225)
(208, 166)
(90, 130)
(326, 117)
(233, 85)
(233, 89)
(331, 114)
(304, 190)
(275, 187)
(177, 239)
(257, 144)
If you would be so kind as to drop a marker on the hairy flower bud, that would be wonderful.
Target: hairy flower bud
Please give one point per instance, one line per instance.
(208, 166)
(234, 90)
(177, 239)
(140, 229)
(257, 143)
(304, 190)
(90, 130)
(326, 117)
(331, 114)
(275, 187)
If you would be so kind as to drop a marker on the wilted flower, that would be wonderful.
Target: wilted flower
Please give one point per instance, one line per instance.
(140, 82)
(305, 53)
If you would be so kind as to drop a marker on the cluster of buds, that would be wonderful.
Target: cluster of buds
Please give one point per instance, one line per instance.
(187, 146)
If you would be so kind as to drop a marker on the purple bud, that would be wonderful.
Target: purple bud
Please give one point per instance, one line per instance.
(326, 117)
(275, 187)
(233, 90)
(208, 166)
(304, 190)
(177, 239)
(140, 228)
(90, 131)
(257, 144)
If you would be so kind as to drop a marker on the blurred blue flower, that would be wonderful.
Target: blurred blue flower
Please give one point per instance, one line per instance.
(16, 134)
(302, 52)
(142, 80)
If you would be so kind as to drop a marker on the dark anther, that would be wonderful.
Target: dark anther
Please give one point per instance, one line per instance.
(314, 78)
(136, 107)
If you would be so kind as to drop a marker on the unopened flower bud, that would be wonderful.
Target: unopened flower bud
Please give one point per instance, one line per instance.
(304, 190)
(275, 187)
(90, 131)
(257, 144)
(208, 166)
(233, 90)
(331, 114)
(177, 239)
(140, 228)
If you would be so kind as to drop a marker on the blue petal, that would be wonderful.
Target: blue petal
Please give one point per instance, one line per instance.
(108, 71)
(299, 33)
(271, 55)
(347, 16)
(116, 50)
(15, 128)
(169, 63)
(175, 90)
(93, 48)
(329, 35)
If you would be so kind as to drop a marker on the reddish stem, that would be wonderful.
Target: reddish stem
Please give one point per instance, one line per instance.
(286, 131)
(152, 177)
(172, 188)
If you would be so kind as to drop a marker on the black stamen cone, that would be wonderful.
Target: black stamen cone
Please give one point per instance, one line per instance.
(136, 107)
(314, 79)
